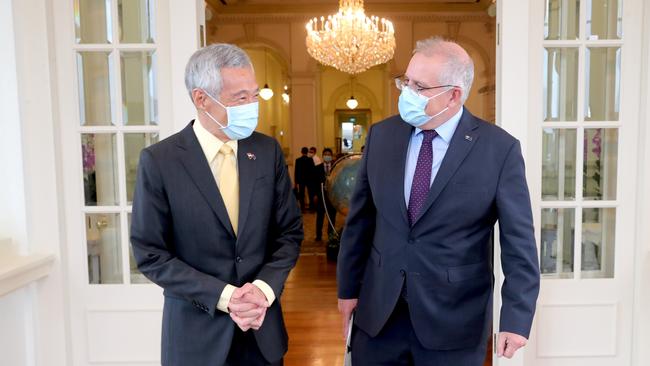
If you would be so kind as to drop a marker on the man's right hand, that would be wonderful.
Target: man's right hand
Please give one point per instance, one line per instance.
(247, 308)
(346, 307)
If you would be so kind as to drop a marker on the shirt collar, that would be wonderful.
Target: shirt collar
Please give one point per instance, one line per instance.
(447, 129)
(210, 144)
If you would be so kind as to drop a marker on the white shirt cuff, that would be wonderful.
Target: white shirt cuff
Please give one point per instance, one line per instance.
(266, 289)
(224, 299)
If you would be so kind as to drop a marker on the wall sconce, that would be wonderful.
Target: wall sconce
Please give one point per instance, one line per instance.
(285, 95)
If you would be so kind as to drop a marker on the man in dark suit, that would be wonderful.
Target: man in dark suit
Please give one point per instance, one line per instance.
(323, 204)
(302, 174)
(214, 223)
(416, 254)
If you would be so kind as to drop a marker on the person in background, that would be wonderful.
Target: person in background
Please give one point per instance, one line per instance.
(313, 153)
(302, 175)
(323, 171)
(214, 222)
(313, 188)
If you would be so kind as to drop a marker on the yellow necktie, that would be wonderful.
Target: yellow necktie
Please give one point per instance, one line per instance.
(229, 183)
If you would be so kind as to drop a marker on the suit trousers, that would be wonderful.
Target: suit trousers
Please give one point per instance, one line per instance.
(245, 352)
(397, 344)
(320, 215)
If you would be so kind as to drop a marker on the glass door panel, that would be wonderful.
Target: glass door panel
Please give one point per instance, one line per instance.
(136, 23)
(557, 242)
(604, 19)
(118, 113)
(139, 102)
(93, 21)
(560, 84)
(559, 164)
(562, 19)
(581, 69)
(104, 248)
(603, 72)
(94, 73)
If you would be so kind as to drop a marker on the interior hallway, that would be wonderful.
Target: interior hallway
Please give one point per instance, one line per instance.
(310, 307)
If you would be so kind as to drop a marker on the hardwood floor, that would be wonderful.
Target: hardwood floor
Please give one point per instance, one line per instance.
(312, 319)
(310, 308)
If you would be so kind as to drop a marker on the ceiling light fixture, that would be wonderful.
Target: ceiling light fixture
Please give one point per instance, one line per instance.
(266, 93)
(350, 41)
(352, 103)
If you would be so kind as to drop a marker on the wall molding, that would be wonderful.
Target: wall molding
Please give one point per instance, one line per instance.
(17, 270)
(246, 18)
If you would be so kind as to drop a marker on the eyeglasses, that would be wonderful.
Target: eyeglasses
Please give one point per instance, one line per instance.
(402, 82)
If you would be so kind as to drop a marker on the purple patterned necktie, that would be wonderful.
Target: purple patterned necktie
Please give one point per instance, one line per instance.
(422, 177)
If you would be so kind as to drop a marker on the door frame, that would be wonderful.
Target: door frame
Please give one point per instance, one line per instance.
(519, 95)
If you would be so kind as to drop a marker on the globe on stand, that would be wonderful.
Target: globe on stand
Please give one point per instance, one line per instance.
(339, 186)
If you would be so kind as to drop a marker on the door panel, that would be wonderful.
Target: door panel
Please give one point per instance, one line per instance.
(115, 98)
(582, 125)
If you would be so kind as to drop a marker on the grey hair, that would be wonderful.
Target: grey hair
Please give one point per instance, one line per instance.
(203, 70)
(458, 67)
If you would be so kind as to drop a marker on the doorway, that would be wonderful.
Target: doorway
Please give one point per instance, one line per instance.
(352, 128)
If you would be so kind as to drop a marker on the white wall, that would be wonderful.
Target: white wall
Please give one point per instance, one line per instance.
(14, 349)
(32, 319)
(16, 333)
(12, 212)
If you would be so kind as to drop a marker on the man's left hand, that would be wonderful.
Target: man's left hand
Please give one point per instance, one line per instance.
(509, 343)
(248, 307)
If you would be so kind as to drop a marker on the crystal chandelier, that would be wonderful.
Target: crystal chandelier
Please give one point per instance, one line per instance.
(349, 40)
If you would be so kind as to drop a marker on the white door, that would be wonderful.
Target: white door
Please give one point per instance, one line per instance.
(580, 146)
(115, 83)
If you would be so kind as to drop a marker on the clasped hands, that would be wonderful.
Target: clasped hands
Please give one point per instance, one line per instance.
(247, 307)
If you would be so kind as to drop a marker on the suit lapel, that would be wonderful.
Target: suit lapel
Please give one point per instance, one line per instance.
(247, 176)
(199, 170)
(461, 144)
(402, 137)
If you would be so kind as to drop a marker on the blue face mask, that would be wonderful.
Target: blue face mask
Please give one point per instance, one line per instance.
(327, 158)
(412, 105)
(242, 119)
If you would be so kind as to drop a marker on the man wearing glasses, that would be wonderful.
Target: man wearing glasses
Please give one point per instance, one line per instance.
(415, 263)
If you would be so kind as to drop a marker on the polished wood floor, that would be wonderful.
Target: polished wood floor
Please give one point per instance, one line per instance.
(309, 305)
(312, 319)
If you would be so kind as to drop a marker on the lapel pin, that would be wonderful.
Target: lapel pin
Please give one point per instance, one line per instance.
(468, 138)
(251, 156)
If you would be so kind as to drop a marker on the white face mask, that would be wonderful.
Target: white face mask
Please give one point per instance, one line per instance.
(242, 119)
(412, 107)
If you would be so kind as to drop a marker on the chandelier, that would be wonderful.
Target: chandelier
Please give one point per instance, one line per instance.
(349, 40)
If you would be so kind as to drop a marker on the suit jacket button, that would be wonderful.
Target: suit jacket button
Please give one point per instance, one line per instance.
(238, 259)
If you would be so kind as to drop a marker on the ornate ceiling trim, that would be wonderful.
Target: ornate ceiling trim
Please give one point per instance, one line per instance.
(285, 7)
(478, 17)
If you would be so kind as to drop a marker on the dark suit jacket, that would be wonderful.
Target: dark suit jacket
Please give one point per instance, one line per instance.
(183, 241)
(445, 258)
(303, 170)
